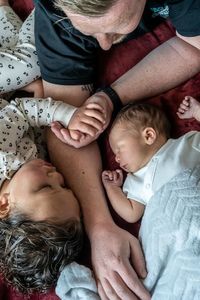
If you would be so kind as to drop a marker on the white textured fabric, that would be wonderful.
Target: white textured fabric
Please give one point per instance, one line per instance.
(170, 236)
(174, 156)
(76, 282)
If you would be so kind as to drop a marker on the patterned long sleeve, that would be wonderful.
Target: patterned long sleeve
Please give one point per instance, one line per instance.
(17, 144)
(41, 112)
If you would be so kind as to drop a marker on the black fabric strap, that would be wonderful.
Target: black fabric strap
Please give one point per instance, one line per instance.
(114, 97)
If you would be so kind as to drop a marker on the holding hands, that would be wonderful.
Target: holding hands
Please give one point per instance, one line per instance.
(86, 124)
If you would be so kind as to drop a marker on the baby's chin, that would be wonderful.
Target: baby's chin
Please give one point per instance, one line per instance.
(126, 168)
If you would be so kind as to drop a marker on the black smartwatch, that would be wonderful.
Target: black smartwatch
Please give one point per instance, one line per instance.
(114, 97)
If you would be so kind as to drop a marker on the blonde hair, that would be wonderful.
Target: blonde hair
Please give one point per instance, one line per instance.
(89, 8)
(139, 115)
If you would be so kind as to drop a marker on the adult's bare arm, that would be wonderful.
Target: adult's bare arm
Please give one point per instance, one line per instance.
(167, 66)
(82, 170)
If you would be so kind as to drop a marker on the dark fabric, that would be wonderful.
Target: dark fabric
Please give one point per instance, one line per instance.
(68, 57)
(185, 16)
(113, 64)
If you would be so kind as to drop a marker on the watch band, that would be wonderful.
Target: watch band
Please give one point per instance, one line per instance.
(114, 97)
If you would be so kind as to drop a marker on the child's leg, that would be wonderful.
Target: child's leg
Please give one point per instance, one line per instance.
(10, 25)
(19, 64)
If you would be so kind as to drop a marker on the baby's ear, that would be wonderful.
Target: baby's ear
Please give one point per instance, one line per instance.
(4, 205)
(149, 135)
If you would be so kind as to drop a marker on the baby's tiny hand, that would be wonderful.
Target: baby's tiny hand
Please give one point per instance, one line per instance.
(112, 177)
(189, 108)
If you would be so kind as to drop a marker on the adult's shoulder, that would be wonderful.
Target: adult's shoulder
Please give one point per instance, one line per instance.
(48, 8)
(185, 16)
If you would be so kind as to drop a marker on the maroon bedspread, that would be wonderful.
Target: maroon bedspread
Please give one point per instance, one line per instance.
(114, 64)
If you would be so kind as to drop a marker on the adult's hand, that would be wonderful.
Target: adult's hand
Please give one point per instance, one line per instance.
(71, 137)
(118, 261)
(86, 125)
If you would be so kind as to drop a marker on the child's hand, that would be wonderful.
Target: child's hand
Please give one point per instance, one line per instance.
(112, 178)
(86, 124)
(189, 108)
(89, 119)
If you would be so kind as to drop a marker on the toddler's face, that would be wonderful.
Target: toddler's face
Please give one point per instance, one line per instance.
(38, 190)
(130, 149)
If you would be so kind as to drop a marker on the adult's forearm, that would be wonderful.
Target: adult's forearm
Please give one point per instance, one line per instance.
(164, 68)
(81, 169)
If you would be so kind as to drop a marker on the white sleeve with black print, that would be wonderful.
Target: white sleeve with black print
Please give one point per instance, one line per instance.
(16, 147)
(17, 118)
(42, 112)
(19, 64)
(13, 125)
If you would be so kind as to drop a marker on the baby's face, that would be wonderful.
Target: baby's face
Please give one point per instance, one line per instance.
(39, 191)
(130, 149)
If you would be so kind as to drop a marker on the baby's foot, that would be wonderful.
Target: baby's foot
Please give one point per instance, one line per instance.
(189, 108)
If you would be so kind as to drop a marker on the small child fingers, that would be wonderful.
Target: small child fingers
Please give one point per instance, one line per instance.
(92, 123)
(184, 106)
(186, 102)
(101, 117)
(180, 110)
(94, 105)
(187, 98)
(88, 129)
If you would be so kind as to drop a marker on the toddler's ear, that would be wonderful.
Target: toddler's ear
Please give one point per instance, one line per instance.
(149, 135)
(4, 205)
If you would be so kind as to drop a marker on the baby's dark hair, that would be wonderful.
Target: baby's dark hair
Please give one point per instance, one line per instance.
(141, 114)
(32, 254)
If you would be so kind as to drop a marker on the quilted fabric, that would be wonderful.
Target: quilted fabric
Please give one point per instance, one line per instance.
(170, 237)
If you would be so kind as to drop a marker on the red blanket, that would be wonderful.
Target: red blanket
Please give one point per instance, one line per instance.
(113, 64)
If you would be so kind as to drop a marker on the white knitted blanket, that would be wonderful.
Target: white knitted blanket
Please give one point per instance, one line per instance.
(170, 236)
(76, 282)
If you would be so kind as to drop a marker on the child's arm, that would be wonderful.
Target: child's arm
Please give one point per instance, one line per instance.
(17, 116)
(189, 108)
(129, 210)
(43, 112)
(86, 124)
